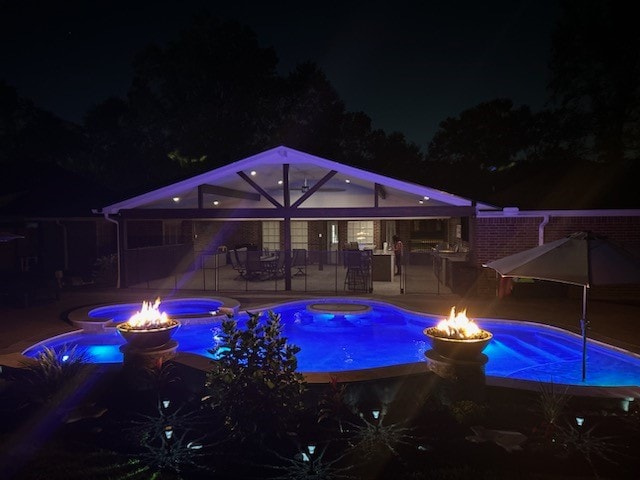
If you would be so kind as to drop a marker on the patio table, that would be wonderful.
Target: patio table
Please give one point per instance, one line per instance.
(269, 263)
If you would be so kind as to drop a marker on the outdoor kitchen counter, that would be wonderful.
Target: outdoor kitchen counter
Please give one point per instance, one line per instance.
(383, 266)
(442, 260)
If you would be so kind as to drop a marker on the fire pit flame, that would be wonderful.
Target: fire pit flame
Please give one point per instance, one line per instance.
(149, 327)
(149, 317)
(458, 337)
(458, 326)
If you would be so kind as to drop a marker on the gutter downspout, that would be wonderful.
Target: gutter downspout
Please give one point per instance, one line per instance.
(109, 219)
(545, 220)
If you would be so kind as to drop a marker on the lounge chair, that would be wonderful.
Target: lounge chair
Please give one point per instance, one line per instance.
(235, 263)
(299, 261)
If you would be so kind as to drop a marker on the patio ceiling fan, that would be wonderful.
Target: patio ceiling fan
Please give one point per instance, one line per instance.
(305, 187)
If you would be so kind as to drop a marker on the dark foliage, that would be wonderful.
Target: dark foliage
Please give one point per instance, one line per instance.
(253, 383)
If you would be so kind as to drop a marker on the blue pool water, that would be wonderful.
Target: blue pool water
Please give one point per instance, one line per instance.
(173, 307)
(387, 335)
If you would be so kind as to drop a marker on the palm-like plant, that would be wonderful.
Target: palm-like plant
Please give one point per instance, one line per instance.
(52, 369)
(576, 439)
(332, 405)
(373, 437)
(169, 440)
(307, 465)
(551, 404)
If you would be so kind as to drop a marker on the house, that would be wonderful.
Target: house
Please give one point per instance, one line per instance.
(58, 239)
(281, 200)
(284, 200)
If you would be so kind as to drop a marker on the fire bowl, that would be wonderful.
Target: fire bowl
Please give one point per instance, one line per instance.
(457, 348)
(147, 337)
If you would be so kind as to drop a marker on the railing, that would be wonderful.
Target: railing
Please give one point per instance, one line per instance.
(314, 272)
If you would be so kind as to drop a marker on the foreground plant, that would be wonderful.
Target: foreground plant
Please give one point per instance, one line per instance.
(552, 405)
(581, 441)
(374, 437)
(332, 405)
(253, 383)
(310, 463)
(169, 441)
(51, 370)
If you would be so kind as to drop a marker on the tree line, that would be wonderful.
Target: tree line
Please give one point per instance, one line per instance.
(213, 96)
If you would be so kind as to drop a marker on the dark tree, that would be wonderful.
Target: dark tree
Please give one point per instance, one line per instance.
(355, 139)
(206, 90)
(595, 68)
(309, 112)
(30, 136)
(200, 102)
(471, 153)
(393, 156)
(210, 97)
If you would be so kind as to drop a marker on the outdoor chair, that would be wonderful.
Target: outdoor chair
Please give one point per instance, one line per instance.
(358, 275)
(235, 264)
(254, 270)
(299, 261)
(241, 255)
(278, 270)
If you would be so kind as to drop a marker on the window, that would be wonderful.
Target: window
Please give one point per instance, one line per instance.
(172, 232)
(299, 235)
(271, 235)
(361, 232)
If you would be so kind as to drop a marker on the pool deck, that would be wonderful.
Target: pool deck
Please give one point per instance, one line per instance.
(616, 324)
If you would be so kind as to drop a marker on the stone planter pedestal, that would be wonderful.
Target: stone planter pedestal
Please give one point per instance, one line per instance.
(462, 379)
(460, 363)
(139, 363)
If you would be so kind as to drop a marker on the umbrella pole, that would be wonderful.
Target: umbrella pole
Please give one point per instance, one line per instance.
(584, 324)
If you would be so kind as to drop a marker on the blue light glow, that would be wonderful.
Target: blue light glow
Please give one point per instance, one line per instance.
(105, 353)
(387, 335)
(173, 307)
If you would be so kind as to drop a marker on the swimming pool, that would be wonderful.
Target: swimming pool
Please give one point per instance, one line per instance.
(176, 308)
(386, 335)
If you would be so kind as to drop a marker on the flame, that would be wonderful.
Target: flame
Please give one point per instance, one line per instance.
(458, 326)
(149, 316)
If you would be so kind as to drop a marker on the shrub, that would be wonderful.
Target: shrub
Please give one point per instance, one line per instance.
(253, 383)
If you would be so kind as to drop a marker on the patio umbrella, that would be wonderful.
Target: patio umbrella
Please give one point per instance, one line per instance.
(579, 259)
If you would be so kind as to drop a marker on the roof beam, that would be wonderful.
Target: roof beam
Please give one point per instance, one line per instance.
(314, 189)
(258, 188)
(206, 189)
(318, 213)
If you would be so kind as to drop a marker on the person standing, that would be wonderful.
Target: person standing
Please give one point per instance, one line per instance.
(398, 251)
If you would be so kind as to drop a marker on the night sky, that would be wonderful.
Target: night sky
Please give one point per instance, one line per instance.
(408, 65)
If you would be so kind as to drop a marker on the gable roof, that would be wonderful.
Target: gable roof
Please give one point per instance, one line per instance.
(249, 183)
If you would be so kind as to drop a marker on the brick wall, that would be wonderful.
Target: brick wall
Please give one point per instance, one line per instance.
(209, 235)
(494, 238)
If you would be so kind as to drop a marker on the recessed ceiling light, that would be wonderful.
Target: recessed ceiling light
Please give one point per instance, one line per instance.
(253, 173)
(216, 202)
(426, 198)
(176, 199)
(279, 182)
(420, 202)
(347, 181)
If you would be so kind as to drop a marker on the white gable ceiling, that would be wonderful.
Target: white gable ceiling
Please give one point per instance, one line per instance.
(225, 187)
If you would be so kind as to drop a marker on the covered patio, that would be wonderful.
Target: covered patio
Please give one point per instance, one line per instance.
(283, 201)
